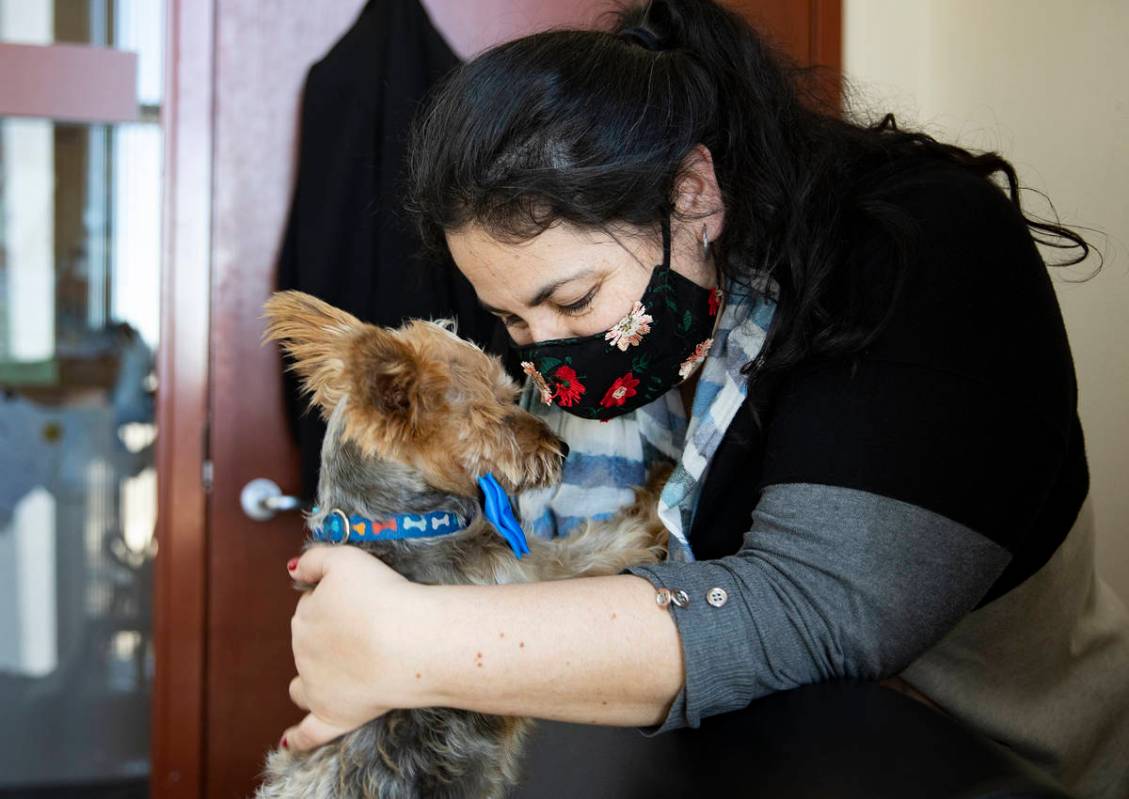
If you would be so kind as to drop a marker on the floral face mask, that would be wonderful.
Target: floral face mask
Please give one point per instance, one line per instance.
(659, 344)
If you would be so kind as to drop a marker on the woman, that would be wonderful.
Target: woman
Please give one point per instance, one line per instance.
(845, 339)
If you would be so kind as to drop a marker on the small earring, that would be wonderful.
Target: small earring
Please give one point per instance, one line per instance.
(705, 244)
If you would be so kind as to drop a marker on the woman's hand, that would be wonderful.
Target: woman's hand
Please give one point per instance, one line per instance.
(352, 637)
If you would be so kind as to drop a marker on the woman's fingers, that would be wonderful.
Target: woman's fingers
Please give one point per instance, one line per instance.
(310, 733)
(298, 694)
(311, 565)
(313, 732)
(337, 652)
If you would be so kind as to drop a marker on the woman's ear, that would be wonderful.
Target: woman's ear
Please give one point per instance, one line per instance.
(697, 194)
(700, 212)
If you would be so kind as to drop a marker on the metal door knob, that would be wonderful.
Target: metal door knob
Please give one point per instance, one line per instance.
(262, 499)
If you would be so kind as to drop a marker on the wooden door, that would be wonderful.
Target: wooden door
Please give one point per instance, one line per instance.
(808, 30)
(223, 599)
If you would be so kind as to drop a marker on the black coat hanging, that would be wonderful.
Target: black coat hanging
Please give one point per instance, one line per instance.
(347, 240)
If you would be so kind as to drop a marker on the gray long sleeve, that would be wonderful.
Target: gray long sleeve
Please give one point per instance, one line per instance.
(829, 583)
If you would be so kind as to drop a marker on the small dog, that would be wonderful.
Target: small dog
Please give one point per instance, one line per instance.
(415, 416)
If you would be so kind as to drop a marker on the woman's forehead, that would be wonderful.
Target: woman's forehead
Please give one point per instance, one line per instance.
(559, 240)
(521, 269)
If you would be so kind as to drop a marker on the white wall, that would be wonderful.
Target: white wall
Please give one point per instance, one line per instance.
(1045, 85)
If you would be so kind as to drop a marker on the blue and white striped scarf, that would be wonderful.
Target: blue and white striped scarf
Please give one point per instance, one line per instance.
(606, 459)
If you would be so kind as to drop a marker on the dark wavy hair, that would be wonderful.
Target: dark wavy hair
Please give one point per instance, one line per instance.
(591, 127)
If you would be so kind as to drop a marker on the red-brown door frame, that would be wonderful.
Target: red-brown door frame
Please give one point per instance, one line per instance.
(810, 31)
(182, 400)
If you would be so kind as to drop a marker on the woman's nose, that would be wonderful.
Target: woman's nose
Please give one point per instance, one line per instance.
(546, 330)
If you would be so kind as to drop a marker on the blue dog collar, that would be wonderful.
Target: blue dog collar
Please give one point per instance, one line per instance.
(340, 528)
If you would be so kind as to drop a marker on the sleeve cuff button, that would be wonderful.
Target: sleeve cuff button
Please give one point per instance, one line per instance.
(717, 597)
(664, 597)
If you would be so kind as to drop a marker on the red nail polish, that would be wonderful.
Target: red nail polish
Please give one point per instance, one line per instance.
(291, 564)
(282, 743)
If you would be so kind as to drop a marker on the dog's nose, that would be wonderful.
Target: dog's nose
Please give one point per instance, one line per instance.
(564, 450)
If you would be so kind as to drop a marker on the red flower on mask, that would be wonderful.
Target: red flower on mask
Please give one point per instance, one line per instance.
(714, 301)
(620, 390)
(568, 389)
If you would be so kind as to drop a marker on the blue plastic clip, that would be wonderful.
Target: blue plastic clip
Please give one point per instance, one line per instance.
(496, 506)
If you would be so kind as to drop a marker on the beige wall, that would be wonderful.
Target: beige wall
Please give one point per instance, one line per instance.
(1044, 84)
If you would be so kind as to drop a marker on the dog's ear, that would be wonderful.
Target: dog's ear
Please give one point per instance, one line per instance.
(394, 383)
(317, 338)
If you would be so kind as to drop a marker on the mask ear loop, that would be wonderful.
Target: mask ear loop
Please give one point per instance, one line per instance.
(666, 238)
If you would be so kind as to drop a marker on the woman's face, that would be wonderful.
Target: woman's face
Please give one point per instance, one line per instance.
(570, 281)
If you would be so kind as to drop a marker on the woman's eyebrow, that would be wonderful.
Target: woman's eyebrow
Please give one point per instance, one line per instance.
(547, 290)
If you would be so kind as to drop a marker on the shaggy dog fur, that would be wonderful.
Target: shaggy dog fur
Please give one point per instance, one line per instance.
(414, 416)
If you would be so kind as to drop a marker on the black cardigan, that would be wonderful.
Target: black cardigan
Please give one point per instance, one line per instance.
(977, 306)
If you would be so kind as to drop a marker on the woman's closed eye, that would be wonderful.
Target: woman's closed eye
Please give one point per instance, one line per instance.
(577, 308)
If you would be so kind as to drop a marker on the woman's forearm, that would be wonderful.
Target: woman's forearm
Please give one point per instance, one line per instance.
(595, 650)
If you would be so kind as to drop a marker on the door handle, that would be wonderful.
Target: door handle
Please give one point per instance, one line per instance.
(262, 499)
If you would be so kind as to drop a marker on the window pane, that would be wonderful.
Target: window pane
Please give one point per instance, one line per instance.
(79, 298)
(133, 25)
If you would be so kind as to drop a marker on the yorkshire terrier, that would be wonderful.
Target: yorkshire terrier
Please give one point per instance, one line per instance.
(418, 420)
